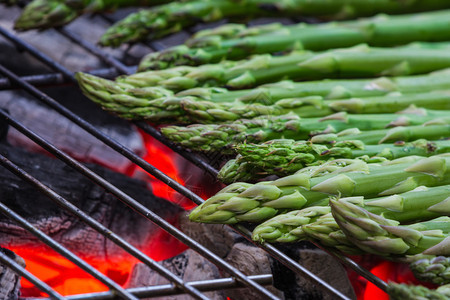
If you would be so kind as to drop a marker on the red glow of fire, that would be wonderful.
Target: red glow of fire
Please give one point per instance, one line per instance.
(68, 279)
(387, 271)
(165, 160)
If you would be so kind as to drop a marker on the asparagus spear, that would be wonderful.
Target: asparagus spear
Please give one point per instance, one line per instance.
(313, 106)
(54, 13)
(378, 31)
(377, 235)
(255, 203)
(284, 157)
(398, 291)
(136, 103)
(358, 61)
(223, 138)
(316, 223)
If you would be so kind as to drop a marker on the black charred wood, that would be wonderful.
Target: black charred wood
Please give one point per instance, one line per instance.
(86, 195)
(9, 280)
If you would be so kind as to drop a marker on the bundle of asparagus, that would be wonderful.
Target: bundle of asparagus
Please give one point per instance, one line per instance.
(161, 105)
(228, 42)
(284, 157)
(311, 186)
(53, 13)
(316, 222)
(225, 137)
(357, 61)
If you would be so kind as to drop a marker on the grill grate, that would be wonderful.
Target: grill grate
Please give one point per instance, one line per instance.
(116, 67)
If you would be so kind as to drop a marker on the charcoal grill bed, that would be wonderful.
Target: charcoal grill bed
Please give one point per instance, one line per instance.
(63, 76)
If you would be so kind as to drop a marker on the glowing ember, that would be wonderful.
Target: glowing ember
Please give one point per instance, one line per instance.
(68, 279)
(164, 159)
(387, 271)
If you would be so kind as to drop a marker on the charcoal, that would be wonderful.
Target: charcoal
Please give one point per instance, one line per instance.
(86, 195)
(9, 280)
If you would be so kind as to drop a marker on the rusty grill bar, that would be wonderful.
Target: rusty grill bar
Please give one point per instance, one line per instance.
(63, 75)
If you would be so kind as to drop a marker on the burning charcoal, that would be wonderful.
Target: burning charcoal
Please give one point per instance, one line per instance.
(93, 200)
(9, 280)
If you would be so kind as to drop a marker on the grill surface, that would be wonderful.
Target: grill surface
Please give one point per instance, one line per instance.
(61, 75)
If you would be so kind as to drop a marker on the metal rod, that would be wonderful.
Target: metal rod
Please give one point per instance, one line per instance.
(53, 244)
(170, 290)
(107, 58)
(61, 201)
(134, 204)
(54, 78)
(10, 263)
(101, 136)
(192, 199)
(133, 157)
(38, 54)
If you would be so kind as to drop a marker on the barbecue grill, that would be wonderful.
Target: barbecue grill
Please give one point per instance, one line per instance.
(62, 76)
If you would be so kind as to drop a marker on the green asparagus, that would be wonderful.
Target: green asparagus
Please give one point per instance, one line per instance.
(224, 137)
(378, 31)
(314, 222)
(377, 235)
(258, 202)
(313, 106)
(163, 106)
(284, 157)
(358, 61)
(398, 291)
(53, 13)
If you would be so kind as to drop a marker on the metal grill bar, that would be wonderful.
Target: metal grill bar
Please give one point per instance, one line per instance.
(272, 250)
(169, 290)
(166, 179)
(30, 277)
(38, 54)
(138, 207)
(54, 78)
(47, 240)
(88, 220)
(97, 52)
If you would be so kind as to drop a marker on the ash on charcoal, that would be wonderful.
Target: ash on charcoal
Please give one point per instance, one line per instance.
(9, 280)
(93, 200)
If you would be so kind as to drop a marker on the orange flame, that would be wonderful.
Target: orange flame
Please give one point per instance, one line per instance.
(164, 159)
